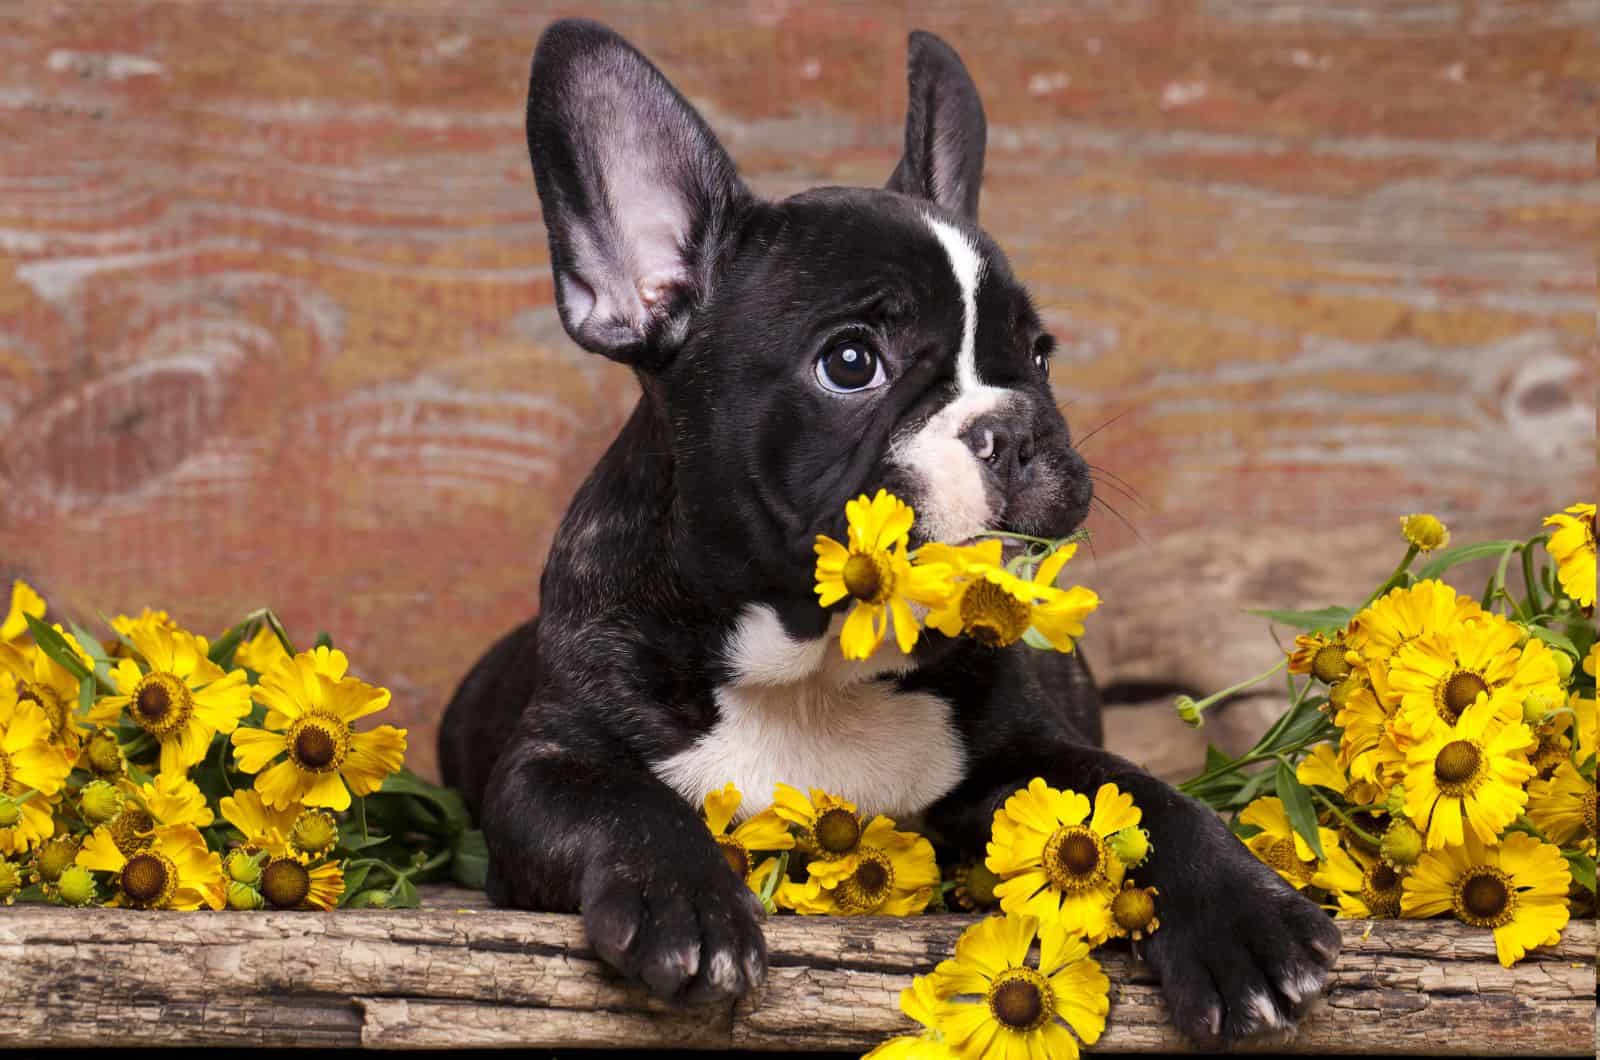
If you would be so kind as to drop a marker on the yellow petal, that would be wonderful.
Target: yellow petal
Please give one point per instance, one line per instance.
(99, 852)
(720, 808)
(373, 756)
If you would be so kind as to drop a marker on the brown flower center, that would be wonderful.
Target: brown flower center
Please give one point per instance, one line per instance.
(1380, 889)
(992, 616)
(838, 831)
(1587, 799)
(1458, 692)
(868, 577)
(162, 704)
(1456, 766)
(1285, 857)
(1485, 898)
(285, 883)
(317, 743)
(149, 879)
(1134, 908)
(1021, 1000)
(131, 830)
(868, 887)
(1073, 858)
(734, 853)
(1328, 665)
(8, 773)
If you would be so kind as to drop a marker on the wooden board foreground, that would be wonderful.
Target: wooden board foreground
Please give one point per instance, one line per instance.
(460, 975)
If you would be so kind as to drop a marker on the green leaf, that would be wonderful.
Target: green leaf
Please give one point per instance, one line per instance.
(1297, 804)
(1582, 866)
(1452, 557)
(55, 645)
(405, 895)
(1307, 721)
(446, 801)
(352, 883)
(469, 861)
(1215, 759)
(1556, 640)
(1325, 618)
(226, 646)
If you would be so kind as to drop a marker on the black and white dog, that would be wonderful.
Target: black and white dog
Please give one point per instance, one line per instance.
(792, 356)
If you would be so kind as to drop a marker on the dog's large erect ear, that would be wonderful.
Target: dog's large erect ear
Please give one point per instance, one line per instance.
(638, 195)
(945, 129)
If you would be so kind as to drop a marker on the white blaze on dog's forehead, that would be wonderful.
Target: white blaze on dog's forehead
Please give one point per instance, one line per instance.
(819, 721)
(953, 500)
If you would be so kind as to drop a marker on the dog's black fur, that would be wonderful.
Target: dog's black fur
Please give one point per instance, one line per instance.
(708, 503)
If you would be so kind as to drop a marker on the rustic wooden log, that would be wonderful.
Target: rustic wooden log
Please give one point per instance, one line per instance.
(459, 974)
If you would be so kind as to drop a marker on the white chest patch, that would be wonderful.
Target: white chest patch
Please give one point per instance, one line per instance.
(799, 713)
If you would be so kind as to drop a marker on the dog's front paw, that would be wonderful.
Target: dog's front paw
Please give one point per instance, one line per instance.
(688, 936)
(1240, 953)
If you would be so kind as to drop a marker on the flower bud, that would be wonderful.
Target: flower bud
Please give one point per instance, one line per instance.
(242, 866)
(1131, 845)
(1189, 711)
(1426, 532)
(1402, 844)
(374, 899)
(100, 802)
(103, 755)
(975, 885)
(314, 832)
(76, 886)
(1540, 702)
(1563, 665)
(10, 881)
(243, 897)
(1133, 910)
(53, 857)
(10, 811)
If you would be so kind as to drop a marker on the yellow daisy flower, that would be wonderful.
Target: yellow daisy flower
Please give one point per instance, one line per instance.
(288, 882)
(1322, 768)
(263, 827)
(1321, 656)
(1362, 884)
(919, 1001)
(998, 1007)
(264, 651)
(998, 608)
(1133, 912)
(1563, 807)
(173, 799)
(29, 762)
(1279, 846)
(1517, 888)
(1367, 747)
(53, 687)
(1054, 859)
(829, 830)
(895, 874)
(1439, 675)
(1572, 547)
(183, 701)
(1403, 615)
(310, 722)
(175, 871)
(1468, 777)
(146, 622)
(764, 833)
(875, 571)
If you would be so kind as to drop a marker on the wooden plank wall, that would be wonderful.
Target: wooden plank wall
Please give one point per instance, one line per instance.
(276, 322)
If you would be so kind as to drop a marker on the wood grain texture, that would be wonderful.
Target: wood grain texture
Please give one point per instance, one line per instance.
(457, 974)
(276, 321)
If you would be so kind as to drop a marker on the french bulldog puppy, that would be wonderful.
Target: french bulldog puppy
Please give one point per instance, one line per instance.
(793, 355)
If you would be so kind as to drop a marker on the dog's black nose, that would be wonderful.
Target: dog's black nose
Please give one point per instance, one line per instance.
(1001, 444)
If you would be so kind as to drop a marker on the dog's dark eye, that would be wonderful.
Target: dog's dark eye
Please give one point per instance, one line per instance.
(848, 366)
(1043, 347)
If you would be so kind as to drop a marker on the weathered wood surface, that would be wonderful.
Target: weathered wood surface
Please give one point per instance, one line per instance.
(457, 974)
(276, 321)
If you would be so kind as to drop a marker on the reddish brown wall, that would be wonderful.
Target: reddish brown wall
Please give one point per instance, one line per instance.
(276, 326)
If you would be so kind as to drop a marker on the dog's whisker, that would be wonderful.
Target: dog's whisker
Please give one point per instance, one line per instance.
(1123, 490)
(1108, 473)
(1120, 518)
(1081, 441)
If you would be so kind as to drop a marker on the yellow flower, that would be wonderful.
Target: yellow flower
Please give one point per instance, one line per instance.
(175, 871)
(172, 798)
(764, 833)
(183, 701)
(1563, 807)
(1367, 747)
(998, 1007)
(146, 623)
(1402, 615)
(830, 830)
(263, 651)
(53, 687)
(1440, 675)
(1363, 885)
(28, 763)
(1517, 887)
(1279, 846)
(921, 1002)
(894, 875)
(263, 827)
(1321, 656)
(875, 571)
(1322, 769)
(290, 883)
(1055, 860)
(309, 721)
(1587, 722)
(998, 608)
(1133, 912)
(1572, 547)
(1468, 776)
(1424, 532)
(24, 601)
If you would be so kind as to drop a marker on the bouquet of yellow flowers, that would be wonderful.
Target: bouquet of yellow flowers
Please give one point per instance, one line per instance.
(1438, 753)
(159, 770)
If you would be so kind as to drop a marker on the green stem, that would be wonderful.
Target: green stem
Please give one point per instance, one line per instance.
(1360, 833)
(1394, 579)
(1199, 707)
(1531, 581)
(1497, 584)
